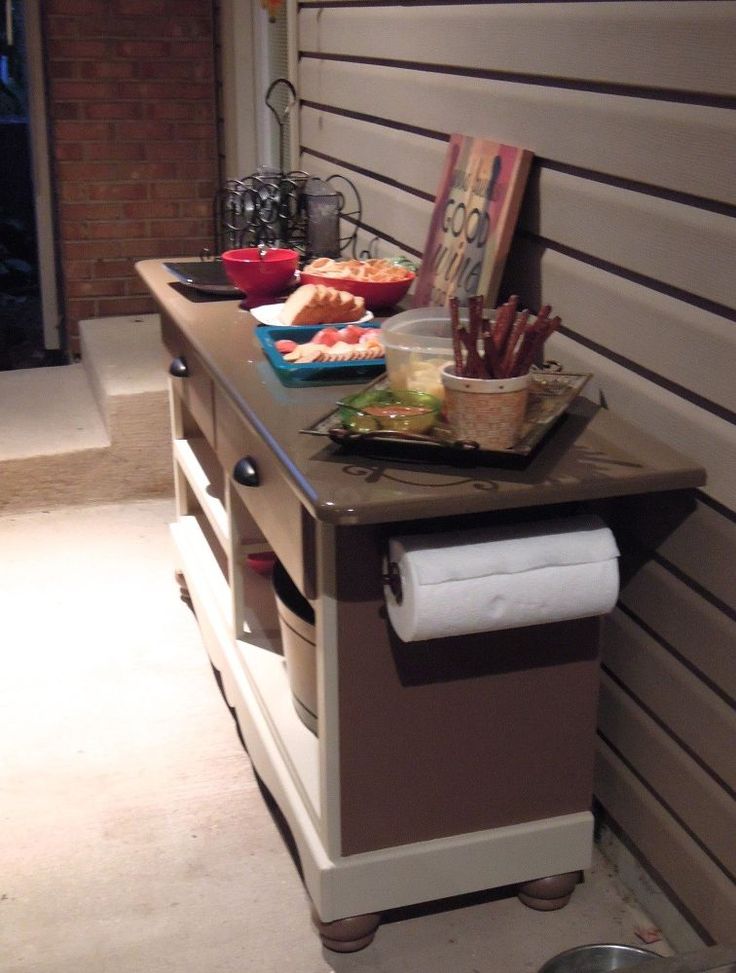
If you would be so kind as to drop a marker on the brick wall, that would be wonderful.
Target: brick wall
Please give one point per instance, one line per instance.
(133, 130)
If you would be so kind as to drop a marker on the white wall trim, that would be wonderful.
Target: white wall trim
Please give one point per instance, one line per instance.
(239, 85)
(248, 122)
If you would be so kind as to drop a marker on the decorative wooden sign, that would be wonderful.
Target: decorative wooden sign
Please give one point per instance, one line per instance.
(474, 216)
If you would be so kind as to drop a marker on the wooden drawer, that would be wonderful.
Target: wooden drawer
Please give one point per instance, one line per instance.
(272, 503)
(196, 389)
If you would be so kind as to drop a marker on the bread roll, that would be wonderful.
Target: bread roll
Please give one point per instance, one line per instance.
(318, 304)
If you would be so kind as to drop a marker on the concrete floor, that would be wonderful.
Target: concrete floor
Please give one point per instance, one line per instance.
(135, 838)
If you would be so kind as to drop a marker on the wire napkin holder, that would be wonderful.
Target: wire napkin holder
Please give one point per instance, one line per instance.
(280, 208)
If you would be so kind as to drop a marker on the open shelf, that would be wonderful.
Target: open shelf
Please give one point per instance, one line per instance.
(200, 566)
(257, 654)
(205, 478)
(298, 746)
(208, 590)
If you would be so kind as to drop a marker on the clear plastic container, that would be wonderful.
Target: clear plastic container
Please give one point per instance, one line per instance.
(418, 345)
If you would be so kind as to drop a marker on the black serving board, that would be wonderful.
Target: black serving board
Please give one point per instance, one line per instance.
(207, 276)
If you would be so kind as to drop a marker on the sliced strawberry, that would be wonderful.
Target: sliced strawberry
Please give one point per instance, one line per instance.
(284, 345)
(370, 334)
(327, 336)
(351, 333)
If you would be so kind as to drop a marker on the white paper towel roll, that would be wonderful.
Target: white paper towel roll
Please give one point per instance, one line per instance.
(502, 577)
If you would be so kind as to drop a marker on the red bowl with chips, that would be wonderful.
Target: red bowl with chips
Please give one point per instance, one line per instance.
(376, 293)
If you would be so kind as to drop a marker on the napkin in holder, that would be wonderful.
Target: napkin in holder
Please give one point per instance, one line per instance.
(508, 576)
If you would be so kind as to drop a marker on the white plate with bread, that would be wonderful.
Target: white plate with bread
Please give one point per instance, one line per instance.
(314, 304)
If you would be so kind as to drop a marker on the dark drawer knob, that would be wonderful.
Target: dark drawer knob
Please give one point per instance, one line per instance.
(245, 472)
(178, 368)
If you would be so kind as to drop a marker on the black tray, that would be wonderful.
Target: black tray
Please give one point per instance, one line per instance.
(206, 276)
(550, 396)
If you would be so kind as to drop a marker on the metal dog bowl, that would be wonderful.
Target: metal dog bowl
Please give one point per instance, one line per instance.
(597, 958)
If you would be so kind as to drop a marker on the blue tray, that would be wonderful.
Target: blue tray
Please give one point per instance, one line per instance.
(314, 373)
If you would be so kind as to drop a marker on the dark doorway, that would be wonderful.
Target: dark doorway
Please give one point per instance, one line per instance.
(22, 340)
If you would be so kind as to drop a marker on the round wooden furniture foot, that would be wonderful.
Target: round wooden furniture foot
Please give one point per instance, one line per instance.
(548, 894)
(347, 935)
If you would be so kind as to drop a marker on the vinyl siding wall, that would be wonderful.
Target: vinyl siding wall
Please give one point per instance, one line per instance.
(629, 230)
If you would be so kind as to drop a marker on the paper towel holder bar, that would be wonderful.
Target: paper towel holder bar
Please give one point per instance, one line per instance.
(392, 578)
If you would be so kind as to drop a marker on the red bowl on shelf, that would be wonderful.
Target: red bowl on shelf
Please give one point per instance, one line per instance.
(262, 562)
(376, 293)
(260, 277)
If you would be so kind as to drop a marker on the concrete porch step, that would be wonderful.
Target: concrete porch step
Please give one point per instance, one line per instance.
(47, 412)
(124, 360)
(92, 432)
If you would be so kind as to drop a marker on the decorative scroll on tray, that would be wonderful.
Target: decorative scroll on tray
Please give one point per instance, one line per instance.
(550, 395)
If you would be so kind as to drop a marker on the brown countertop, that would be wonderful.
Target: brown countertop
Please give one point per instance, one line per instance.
(592, 454)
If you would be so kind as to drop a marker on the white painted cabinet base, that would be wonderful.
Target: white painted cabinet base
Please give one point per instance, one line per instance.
(285, 755)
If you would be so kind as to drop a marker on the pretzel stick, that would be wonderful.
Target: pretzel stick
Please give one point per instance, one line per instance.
(528, 356)
(528, 342)
(520, 350)
(490, 359)
(457, 347)
(543, 316)
(512, 342)
(468, 338)
(472, 359)
(475, 316)
(505, 315)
